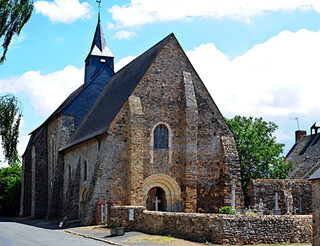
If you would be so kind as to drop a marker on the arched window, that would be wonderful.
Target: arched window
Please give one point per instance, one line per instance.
(160, 137)
(85, 173)
(69, 171)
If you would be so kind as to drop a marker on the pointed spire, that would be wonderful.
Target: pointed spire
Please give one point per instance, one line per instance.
(99, 47)
(99, 57)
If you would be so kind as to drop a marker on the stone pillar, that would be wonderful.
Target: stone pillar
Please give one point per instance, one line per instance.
(135, 152)
(22, 188)
(231, 173)
(33, 180)
(191, 136)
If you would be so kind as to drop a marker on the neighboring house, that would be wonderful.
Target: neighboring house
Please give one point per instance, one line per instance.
(305, 153)
(150, 135)
(294, 193)
(315, 179)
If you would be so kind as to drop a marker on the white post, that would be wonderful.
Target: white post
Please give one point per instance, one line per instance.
(233, 196)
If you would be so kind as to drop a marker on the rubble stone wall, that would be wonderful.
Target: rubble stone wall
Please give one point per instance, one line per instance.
(296, 192)
(218, 228)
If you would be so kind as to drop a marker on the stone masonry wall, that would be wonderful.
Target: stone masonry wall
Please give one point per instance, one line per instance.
(169, 92)
(121, 160)
(107, 158)
(60, 129)
(27, 183)
(41, 170)
(217, 228)
(297, 192)
(316, 211)
(135, 152)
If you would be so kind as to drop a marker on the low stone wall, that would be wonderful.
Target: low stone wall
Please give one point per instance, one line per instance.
(218, 228)
(294, 194)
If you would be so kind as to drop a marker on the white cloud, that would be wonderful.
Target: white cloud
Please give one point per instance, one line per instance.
(65, 11)
(277, 78)
(140, 12)
(45, 91)
(124, 34)
(124, 61)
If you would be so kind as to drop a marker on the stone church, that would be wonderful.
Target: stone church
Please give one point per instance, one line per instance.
(149, 134)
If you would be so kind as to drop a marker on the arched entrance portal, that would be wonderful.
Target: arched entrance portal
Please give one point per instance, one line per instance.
(83, 200)
(165, 188)
(156, 200)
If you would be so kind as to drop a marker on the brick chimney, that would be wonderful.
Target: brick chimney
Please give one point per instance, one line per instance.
(300, 134)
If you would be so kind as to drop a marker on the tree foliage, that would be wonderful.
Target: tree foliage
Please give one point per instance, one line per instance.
(259, 152)
(10, 118)
(10, 186)
(14, 14)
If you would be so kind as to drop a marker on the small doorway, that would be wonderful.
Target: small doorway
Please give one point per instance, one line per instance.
(156, 200)
(83, 200)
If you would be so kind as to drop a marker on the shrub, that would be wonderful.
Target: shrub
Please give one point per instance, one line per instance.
(226, 210)
(10, 185)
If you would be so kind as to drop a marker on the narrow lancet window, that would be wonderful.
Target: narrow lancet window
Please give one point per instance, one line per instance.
(161, 137)
(85, 171)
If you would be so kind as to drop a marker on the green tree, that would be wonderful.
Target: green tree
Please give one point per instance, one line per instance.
(10, 118)
(10, 186)
(259, 152)
(14, 14)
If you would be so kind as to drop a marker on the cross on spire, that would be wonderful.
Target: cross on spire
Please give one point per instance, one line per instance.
(99, 6)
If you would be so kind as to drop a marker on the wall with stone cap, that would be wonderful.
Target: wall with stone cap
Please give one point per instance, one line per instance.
(218, 228)
(287, 189)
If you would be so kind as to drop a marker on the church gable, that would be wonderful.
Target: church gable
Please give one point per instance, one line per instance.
(198, 140)
(154, 134)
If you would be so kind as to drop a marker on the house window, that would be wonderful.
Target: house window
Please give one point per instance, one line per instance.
(85, 174)
(160, 137)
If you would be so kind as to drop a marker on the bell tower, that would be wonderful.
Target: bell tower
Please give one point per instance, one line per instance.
(99, 55)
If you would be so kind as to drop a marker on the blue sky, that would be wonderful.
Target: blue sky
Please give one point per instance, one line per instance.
(256, 57)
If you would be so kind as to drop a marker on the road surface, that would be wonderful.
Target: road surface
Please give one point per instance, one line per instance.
(18, 234)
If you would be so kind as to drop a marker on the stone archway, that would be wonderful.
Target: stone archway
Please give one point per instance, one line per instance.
(170, 187)
(156, 200)
(83, 200)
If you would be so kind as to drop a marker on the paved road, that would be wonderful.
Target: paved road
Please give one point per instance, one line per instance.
(17, 234)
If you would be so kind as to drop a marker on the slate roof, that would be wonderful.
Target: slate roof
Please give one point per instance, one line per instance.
(66, 103)
(315, 175)
(115, 95)
(305, 155)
